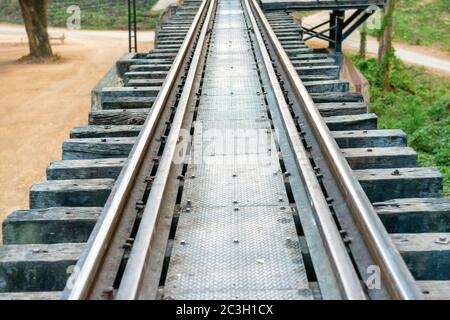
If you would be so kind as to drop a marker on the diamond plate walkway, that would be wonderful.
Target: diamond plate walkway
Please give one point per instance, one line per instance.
(236, 238)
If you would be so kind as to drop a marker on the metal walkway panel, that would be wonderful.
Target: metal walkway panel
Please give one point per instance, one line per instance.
(236, 237)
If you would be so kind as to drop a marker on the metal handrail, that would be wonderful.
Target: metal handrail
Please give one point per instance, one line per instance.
(346, 275)
(115, 204)
(131, 282)
(398, 278)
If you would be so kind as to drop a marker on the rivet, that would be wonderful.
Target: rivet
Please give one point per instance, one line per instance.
(183, 242)
(235, 241)
(236, 208)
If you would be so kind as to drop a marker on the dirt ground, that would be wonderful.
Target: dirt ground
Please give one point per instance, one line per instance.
(40, 103)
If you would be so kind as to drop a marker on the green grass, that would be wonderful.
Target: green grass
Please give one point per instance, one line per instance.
(419, 104)
(97, 14)
(422, 22)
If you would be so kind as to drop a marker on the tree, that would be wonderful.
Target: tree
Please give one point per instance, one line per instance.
(362, 41)
(385, 50)
(34, 14)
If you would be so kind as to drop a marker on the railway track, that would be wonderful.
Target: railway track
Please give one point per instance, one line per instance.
(231, 163)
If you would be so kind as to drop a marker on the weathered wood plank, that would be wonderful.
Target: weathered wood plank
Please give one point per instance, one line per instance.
(145, 75)
(373, 158)
(426, 254)
(109, 103)
(118, 117)
(329, 70)
(370, 138)
(150, 67)
(387, 184)
(85, 169)
(70, 193)
(144, 82)
(97, 148)
(414, 215)
(49, 295)
(326, 86)
(105, 131)
(306, 56)
(50, 225)
(37, 267)
(323, 97)
(119, 92)
(365, 121)
(435, 290)
(312, 62)
(341, 108)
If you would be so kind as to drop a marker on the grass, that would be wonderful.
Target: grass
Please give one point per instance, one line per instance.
(419, 104)
(422, 22)
(97, 14)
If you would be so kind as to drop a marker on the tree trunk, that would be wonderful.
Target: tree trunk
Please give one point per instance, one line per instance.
(385, 52)
(362, 41)
(34, 14)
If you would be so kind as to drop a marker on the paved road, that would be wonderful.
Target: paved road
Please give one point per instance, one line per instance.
(404, 52)
(80, 34)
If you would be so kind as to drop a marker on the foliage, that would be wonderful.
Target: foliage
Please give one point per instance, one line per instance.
(418, 103)
(97, 14)
(420, 22)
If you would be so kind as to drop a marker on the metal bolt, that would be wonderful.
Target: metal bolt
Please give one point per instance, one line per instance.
(234, 174)
(183, 242)
(235, 201)
(442, 240)
(348, 239)
(396, 172)
(280, 199)
(236, 208)
(235, 241)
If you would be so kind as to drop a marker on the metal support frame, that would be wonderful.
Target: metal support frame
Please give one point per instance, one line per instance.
(339, 28)
(340, 15)
(332, 21)
(132, 26)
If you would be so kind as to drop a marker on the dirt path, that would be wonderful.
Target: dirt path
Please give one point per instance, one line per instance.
(437, 61)
(40, 103)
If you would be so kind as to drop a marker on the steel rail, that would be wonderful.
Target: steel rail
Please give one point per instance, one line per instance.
(395, 273)
(346, 275)
(131, 282)
(117, 200)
